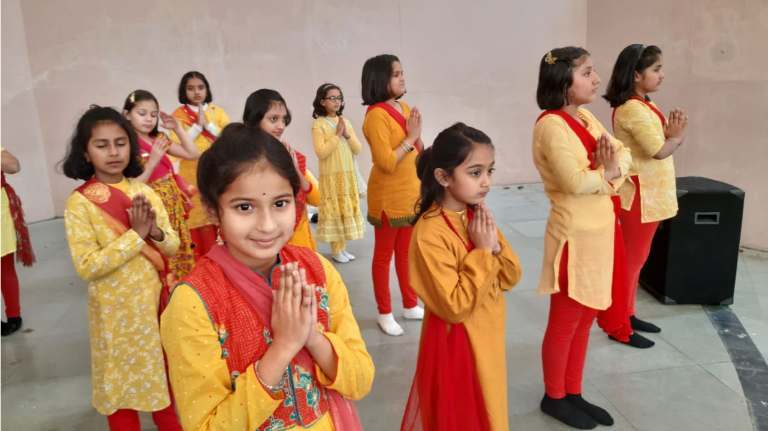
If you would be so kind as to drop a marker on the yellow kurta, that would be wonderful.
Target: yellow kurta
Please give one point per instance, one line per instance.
(641, 130)
(393, 187)
(188, 168)
(302, 235)
(127, 370)
(339, 211)
(581, 212)
(200, 377)
(8, 230)
(460, 286)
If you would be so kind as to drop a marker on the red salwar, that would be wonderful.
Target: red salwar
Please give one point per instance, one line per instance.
(10, 285)
(391, 240)
(128, 420)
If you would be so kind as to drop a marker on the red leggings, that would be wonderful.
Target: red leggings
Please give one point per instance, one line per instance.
(10, 285)
(633, 243)
(203, 238)
(564, 348)
(128, 420)
(389, 240)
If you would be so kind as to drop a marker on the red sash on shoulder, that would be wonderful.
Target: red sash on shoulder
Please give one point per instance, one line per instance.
(192, 119)
(114, 204)
(647, 103)
(24, 252)
(446, 394)
(398, 117)
(589, 141)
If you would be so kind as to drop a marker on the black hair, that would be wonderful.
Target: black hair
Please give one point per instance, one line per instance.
(183, 86)
(634, 58)
(322, 91)
(140, 96)
(556, 76)
(451, 147)
(75, 166)
(377, 72)
(258, 103)
(235, 150)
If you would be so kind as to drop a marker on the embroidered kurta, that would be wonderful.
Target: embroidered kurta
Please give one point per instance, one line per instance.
(339, 211)
(581, 212)
(467, 287)
(641, 130)
(127, 370)
(218, 119)
(393, 187)
(200, 377)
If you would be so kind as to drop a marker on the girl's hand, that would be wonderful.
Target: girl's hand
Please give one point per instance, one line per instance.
(413, 125)
(606, 156)
(154, 232)
(291, 311)
(201, 116)
(482, 229)
(676, 124)
(341, 128)
(168, 122)
(309, 290)
(159, 148)
(140, 216)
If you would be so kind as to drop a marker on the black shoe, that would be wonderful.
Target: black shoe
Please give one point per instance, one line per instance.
(597, 413)
(643, 326)
(12, 325)
(567, 413)
(635, 340)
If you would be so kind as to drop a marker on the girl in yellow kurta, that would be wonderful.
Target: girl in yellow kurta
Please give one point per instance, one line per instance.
(267, 110)
(581, 167)
(118, 230)
(652, 138)
(261, 335)
(203, 121)
(336, 145)
(460, 267)
(393, 133)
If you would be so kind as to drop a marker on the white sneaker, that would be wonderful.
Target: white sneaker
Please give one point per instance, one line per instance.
(349, 255)
(415, 313)
(389, 325)
(341, 258)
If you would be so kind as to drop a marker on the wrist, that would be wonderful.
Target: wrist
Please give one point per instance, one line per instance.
(283, 351)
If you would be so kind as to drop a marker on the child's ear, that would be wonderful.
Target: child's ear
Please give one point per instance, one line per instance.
(638, 77)
(442, 177)
(213, 215)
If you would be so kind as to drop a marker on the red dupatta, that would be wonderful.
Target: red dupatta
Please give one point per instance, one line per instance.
(114, 204)
(193, 119)
(258, 294)
(446, 394)
(399, 119)
(24, 252)
(165, 167)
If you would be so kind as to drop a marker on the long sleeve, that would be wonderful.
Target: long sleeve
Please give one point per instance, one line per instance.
(313, 196)
(325, 144)
(379, 138)
(644, 126)
(90, 259)
(354, 143)
(355, 369)
(510, 271)
(170, 243)
(200, 377)
(452, 290)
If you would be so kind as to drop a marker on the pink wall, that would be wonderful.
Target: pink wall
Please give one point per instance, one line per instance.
(715, 67)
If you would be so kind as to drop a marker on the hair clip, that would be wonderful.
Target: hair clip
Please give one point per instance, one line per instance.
(550, 59)
(132, 97)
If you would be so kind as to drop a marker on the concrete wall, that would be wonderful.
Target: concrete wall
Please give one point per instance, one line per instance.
(715, 67)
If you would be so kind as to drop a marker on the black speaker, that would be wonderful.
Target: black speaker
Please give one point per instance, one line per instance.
(694, 255)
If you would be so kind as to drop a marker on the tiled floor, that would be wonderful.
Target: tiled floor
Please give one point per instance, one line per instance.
(686, 382)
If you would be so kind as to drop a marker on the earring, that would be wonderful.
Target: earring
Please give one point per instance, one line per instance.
(219, 236)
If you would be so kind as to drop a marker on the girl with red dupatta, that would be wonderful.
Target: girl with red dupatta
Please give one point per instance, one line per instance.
(15, 243)
(460, 267)
(642, 127)
(118, 234)
(583, 168)
(261, 335)
(143, 111)
(203, 121)
(393, 132)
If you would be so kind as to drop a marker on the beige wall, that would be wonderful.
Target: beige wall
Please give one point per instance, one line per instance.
(475, 64)
(715, 67)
